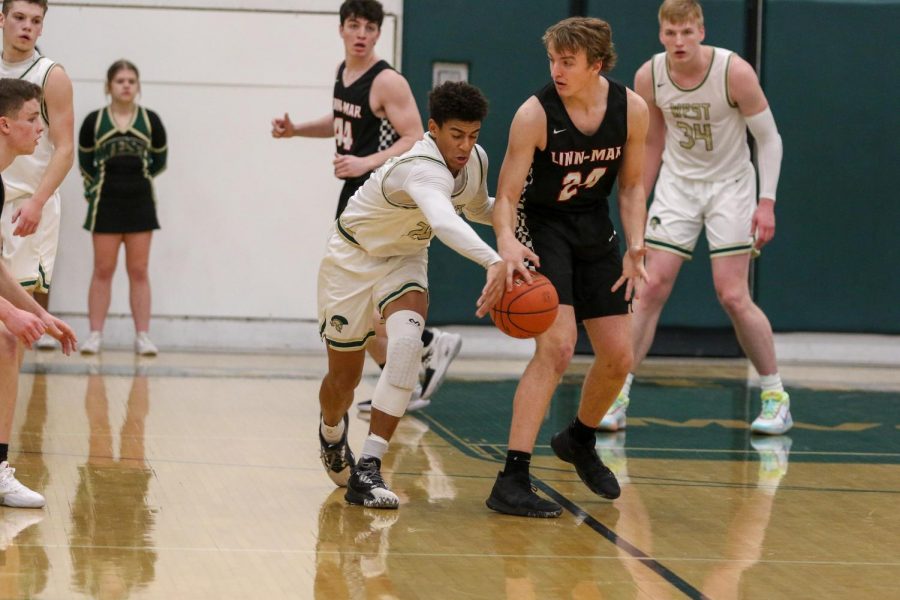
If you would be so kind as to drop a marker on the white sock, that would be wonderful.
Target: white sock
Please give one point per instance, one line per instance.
(374, 447)
(771, 383)
(626, 389)
(332, 434)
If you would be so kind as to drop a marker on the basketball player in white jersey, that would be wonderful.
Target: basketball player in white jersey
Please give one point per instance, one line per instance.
(702, 100)
(29, 230)
(22, 320)
(374, 118)
(377, 259)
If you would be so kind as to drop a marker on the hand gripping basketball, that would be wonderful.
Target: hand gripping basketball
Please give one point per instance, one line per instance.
(527, 310)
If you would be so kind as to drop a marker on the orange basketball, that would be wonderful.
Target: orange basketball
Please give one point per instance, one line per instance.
(527, 310)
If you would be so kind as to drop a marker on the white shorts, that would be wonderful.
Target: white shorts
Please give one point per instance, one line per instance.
(352, 284)
(30, 259)
(681, 207)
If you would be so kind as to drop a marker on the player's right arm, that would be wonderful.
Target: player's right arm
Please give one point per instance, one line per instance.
(656, 131)
(431, 190)
(527, 132)
(322, 127)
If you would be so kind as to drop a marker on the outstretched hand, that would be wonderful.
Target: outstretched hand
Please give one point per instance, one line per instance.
(633, 271)
(493, 288)
(58, 329)
(514, 255)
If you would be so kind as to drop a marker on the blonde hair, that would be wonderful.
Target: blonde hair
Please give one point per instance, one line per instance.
(681, 11)
(594, 36)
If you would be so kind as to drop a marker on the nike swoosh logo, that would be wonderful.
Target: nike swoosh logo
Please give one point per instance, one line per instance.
(661, 84)
(555, 131)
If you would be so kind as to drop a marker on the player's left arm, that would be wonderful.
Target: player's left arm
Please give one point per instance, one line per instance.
(392, 98)
(632, 197)
(745, 91)
(61, 117)
(159, 146)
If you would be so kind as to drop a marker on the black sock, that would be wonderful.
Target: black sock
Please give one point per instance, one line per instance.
(427, 336)
(581, 433)
(4, 452)
(517, 462)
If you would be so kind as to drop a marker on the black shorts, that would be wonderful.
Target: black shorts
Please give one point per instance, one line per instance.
(579, 254)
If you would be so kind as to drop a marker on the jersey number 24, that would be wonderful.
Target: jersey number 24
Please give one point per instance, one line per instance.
(572, 181)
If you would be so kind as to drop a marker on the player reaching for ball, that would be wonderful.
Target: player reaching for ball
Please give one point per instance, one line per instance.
(568, 144)
(377, 258)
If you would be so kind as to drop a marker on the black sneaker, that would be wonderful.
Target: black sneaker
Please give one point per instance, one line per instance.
(588, 465)
(367, 487)
(337, 458)
(513, 495)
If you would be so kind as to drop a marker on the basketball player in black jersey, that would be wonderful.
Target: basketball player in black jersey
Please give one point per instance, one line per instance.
(568, 145)
(374, 117)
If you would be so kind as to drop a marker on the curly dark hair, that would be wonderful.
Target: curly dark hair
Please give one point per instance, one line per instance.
(370, 10)
(457, 100)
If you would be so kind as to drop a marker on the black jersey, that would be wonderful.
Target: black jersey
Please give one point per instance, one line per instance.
(357, 130)
(575, 172)
(118, 167)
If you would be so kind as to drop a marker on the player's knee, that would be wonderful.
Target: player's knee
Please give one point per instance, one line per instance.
(656, 292)
(558, 355)
(404, 355)
(733, 299)
(404, 348)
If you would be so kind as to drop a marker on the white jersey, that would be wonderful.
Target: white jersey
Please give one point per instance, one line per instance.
(706, 135)
(385, 217)
(24, 175)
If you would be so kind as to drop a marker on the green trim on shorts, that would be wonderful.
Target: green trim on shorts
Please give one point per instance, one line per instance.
(729, 250)
(346, 234)
(351, 345)
(29, 283)
(406, 287)
(688, 254)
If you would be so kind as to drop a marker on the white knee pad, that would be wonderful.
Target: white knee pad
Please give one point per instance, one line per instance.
(404, 354)
(404, 350)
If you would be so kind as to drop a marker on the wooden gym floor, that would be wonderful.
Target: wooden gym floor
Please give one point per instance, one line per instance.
(197, 476)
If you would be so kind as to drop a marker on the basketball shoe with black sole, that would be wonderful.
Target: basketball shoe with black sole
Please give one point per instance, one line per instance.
(513, 495)
(337, 458)
(588, 465)
(366, 486)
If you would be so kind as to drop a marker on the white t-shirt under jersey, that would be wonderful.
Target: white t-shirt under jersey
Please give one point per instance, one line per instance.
(706, 135)
(24, 175)
(413, 197)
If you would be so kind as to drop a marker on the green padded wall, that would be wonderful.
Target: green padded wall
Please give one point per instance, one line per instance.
(831, 73)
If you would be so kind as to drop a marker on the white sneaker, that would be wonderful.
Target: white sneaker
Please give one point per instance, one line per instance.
(415, 402)
(775, 416)
(46, 342)
(13, 493)
(92, 344)
(143, 346)
(14, 522)
(436, 357)
(614, 419)
(774, 453)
